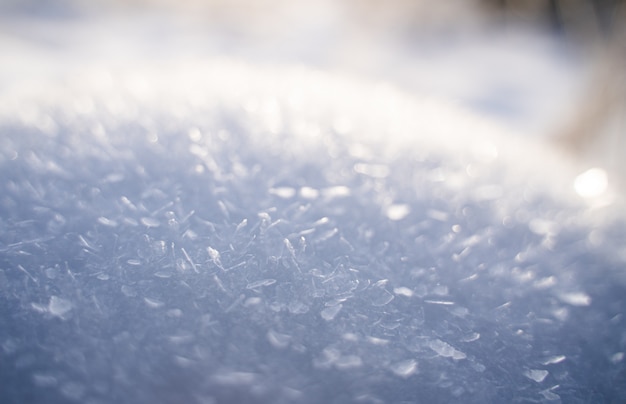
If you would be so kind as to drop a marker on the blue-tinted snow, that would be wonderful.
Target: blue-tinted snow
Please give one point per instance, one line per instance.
(217, 232)
(188, 243)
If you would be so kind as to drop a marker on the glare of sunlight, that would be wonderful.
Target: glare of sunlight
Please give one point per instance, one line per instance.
(591, 183)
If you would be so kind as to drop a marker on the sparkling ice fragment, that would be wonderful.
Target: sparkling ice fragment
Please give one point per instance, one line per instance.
(405, 368)
(150, 222)
(260, 283)
(331, 312)
(537, 375)
(59, 307)
(278, 340)
(397, 212)
(445, 349)
(576, 298)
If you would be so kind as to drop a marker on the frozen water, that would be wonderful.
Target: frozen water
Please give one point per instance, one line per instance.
(329, 313)
(554, 359)
(576, 298)
(260, 283)
(537, 375)
(446, 350)
(404, 368)
(215, 247)
(59, 307)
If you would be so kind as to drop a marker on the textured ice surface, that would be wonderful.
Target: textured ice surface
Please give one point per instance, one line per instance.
(229, 234)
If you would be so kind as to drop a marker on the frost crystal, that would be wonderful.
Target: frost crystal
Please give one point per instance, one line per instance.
(537, 375)
(59, 307)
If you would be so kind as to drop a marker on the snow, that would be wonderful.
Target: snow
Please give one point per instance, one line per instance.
(220, 231)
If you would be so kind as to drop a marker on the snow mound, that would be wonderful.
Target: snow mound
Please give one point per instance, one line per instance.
(221, 233)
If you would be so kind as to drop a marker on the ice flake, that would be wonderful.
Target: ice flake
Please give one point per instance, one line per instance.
(617, 357)
(545, 283)
(107, 222)
(84, 242)
(309, 193)
(39, 308)
(372, 170)
(437, 215)
(21, 268)
(397, 212)
(278, 340)
(543, 227)
(289, 246)
(241, 225)
(404, 368)
(174, 313)
(403, 291)
(188, 258)
(44, 380)
(350, 336)
(479, 367)
(537, 375)
(471, 337)
(377, 341)
(133, 262)
(235, 378)
(179, 339)
(338, 191)
(153, 303)
(328, 235)
(459, 311)
(297, 307)
(328, 358)
(236, 303)
(440, 290)
(215, 257)
(128, 291)
(554, 359)
(321, 221)
(576, 298)
(348, 362)
(283, 192)
(59, 307)
(331, 312)
(380, 297)
(150, 222)
(252, 301)
(184, 362)
(72, 390)
(445, 349)
(549, 395)
(260, 283)
(439, 302)
(560, 313)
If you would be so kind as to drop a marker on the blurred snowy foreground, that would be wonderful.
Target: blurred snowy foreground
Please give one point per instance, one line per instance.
(225, 233)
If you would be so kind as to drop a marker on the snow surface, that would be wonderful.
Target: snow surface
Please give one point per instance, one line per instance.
(186, 217)
(222, 233)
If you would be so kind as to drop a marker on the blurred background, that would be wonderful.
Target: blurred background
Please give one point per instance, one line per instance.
(549, 69)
